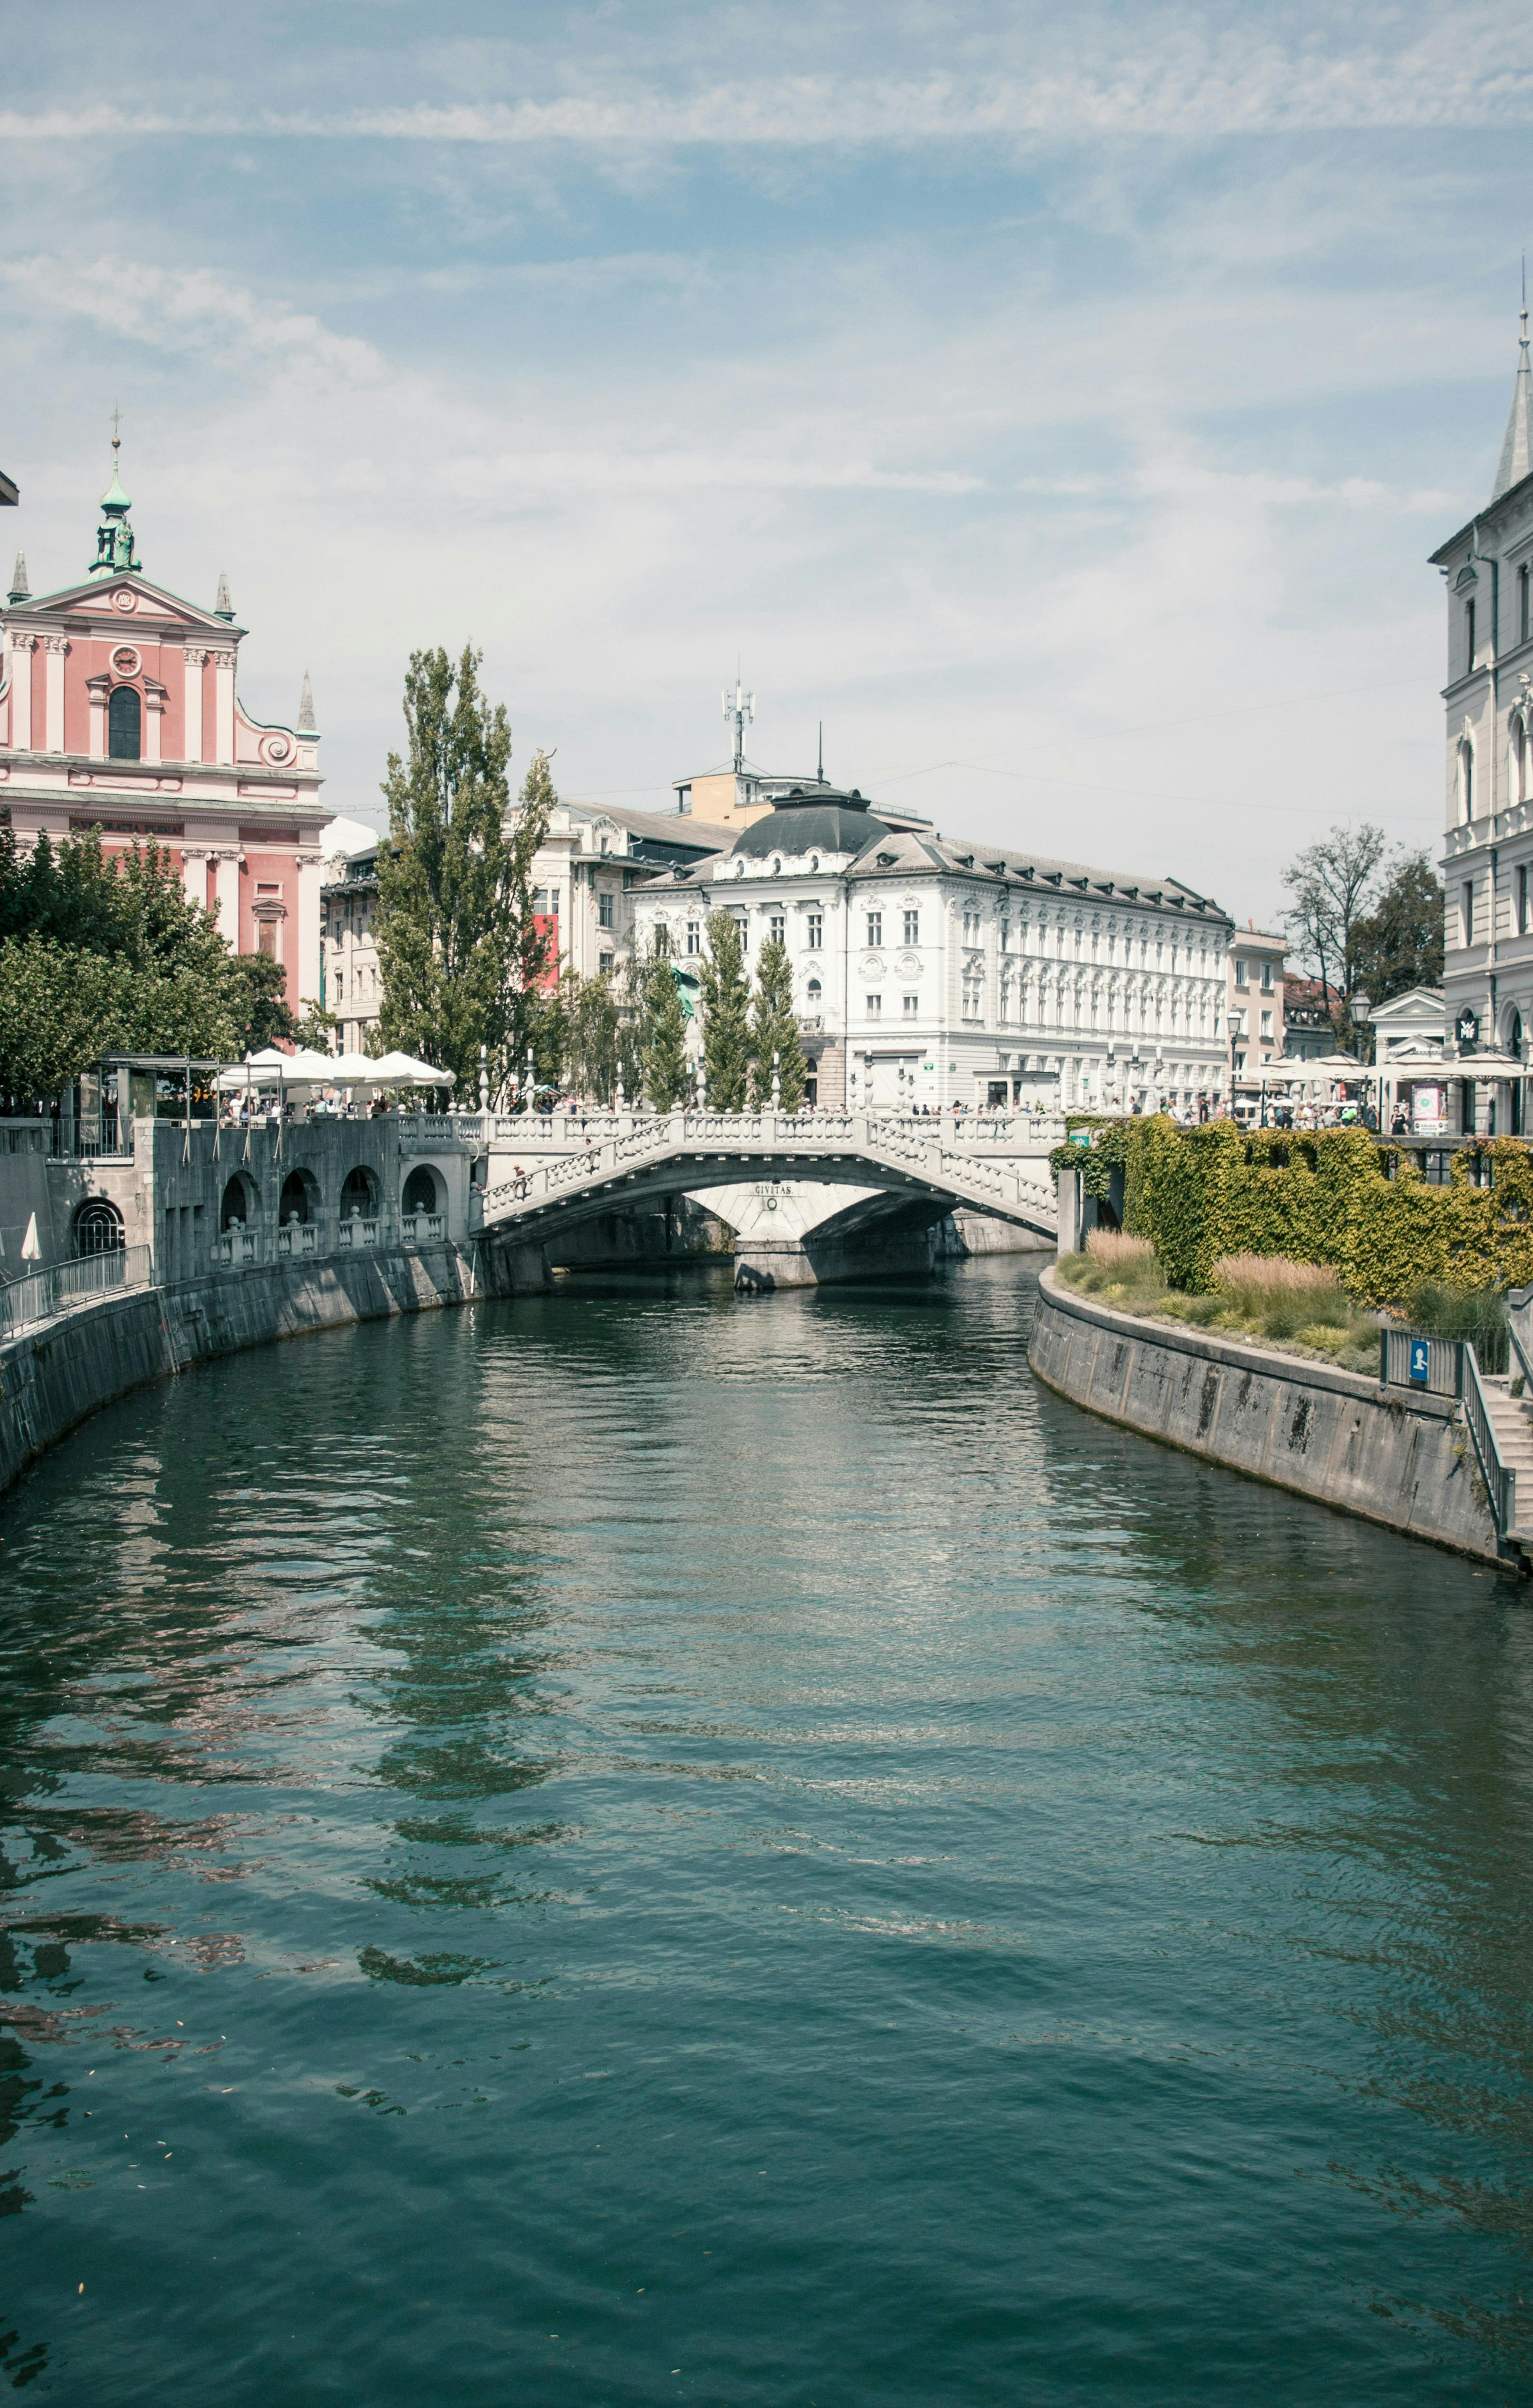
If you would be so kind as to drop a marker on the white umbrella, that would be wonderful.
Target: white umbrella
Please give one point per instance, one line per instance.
(352, 1070)
(404, 1071)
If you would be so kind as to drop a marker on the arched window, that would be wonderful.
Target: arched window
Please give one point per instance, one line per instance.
(359, 1195)
(234, 1210)
(813, 989)
(124, 721)
(98, 1227)
(420, 1190)
(1514, 1035)
(297, 1201)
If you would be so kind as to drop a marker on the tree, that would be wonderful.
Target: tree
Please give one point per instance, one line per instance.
(463, 960)
(663, 1044)
(257, 1002)
(630, 1002)
(108, 954)
(774, 1030)
(1332, 883)
(588, 1035)
(1399, 941)
(726, 1005)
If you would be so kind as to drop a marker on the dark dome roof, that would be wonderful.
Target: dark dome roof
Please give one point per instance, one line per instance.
(809, 827)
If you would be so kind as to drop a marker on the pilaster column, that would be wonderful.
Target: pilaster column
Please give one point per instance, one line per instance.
(154, 706)
(20, 692)
(227, 858)
(99, 689)
(195, 871)
(56, 648)
(194, 658)
(305, 969)
(223, 706)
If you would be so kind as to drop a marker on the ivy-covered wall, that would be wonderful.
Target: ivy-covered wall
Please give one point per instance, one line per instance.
(1339, 1197)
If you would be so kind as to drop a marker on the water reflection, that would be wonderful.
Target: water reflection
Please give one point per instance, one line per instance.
(490, 1800)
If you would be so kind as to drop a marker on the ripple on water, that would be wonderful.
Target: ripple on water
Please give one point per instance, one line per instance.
(638, 1829)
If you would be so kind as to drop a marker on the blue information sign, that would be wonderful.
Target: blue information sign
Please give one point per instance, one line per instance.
(1420, 1349)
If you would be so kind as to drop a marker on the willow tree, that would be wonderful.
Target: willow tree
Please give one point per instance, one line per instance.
(726, 1007)
(774, 1031)
(463, 961)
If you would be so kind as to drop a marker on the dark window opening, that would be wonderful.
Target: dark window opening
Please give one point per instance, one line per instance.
(125, 724)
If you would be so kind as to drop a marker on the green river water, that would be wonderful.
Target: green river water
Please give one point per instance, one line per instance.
(641, 1845)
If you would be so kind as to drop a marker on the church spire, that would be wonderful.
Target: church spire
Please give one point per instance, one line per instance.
(307, 726)
(1517, 448)
(114, 535)
(21, 589)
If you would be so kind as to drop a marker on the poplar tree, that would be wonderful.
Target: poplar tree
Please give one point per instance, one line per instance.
(665, 1037)
(727, 1006)
(774, 1029)
(463, 963)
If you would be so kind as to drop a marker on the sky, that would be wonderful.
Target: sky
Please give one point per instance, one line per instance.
(1060, 405)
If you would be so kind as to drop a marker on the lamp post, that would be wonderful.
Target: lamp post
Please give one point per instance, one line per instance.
(1362, 1012)
(1236, 1030)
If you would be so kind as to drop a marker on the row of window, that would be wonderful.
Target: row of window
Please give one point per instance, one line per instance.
(1524, 624)
(1242, 970)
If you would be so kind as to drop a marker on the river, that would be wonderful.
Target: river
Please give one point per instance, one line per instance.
(641, 1845)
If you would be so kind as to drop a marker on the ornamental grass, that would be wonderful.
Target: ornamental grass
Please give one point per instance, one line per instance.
(1299, 1308)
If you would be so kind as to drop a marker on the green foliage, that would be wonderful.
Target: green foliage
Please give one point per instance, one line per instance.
(1294, 1307)
(585, 1025)
(103, 954)
(1339, 1197)
(1438, 1313)
(463, 960)
(663, 1044)
(1400, 942)
(774, 1030)
(726, 997)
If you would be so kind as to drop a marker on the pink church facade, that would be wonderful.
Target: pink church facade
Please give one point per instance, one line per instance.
(119, 711)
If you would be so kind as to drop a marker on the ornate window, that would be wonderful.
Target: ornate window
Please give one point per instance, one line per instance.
(875, 928)
(814, 927)
(912, 927)
(125, 724)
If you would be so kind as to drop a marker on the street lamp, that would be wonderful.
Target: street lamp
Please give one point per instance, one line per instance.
(1362, 1012)
(1236, 1030)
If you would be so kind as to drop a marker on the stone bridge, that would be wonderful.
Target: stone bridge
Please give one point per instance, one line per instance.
(860, 1191)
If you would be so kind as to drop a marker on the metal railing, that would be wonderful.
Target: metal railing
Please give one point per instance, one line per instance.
(1431, 1365)
(41, 1294)
(1500, 1478)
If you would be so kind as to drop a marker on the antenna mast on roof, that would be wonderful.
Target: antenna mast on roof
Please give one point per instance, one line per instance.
(820, 773)
(739, 706)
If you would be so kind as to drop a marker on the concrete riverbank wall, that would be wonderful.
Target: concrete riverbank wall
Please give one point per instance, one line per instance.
(54, 1376)
(1394, 1458)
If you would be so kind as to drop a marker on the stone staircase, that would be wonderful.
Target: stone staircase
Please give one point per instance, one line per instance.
(1511, 1419)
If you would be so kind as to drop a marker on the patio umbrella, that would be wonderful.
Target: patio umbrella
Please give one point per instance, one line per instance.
(404, 1071)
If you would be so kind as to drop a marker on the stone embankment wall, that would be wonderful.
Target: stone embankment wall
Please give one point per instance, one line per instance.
(54, 1376)
(1403, 1460)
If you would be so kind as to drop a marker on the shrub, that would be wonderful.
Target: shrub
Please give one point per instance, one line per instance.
(1438, 1311)
(1283, 1297)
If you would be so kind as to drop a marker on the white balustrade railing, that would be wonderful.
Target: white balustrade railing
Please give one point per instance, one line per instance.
(356, 1232)
(298, 1237)
(935, 1156)
(423, 1228)
(237, 1245)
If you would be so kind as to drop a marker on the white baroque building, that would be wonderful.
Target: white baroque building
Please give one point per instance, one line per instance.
(1487, 859)
(928, 971)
